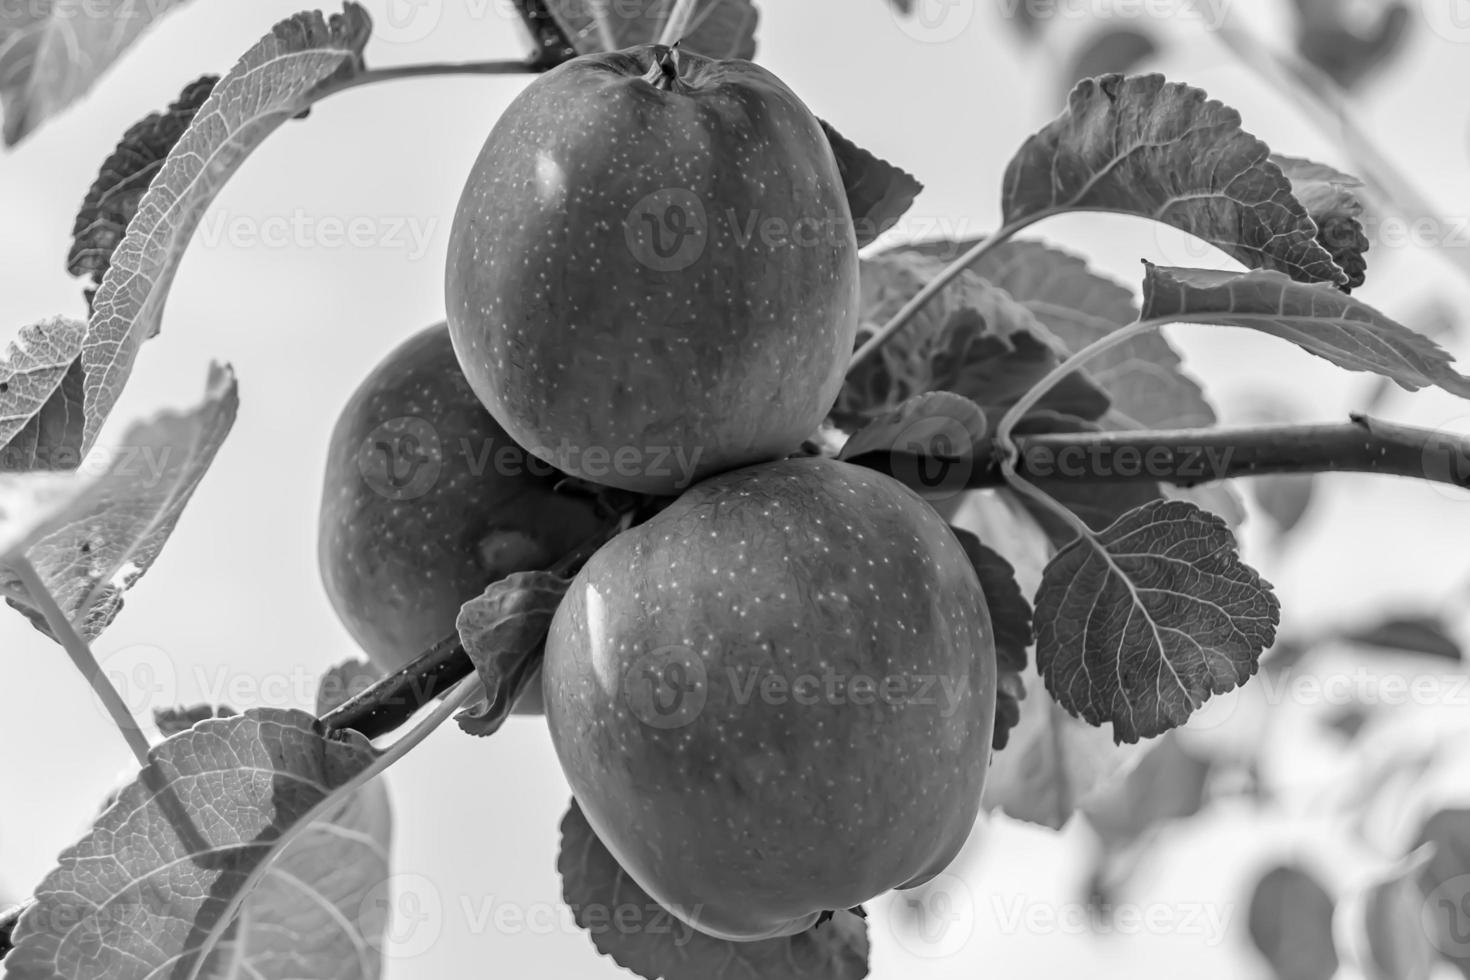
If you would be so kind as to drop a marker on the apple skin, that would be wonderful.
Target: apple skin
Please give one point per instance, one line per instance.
(400, 551)
(744, 812)
(574, 313)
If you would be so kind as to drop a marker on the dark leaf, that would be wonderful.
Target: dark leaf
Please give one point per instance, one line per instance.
(1010, 618)
(1334, 200)
(1317, 318)
(1327, 37)
(1427, 635)
(504, 632)
(1141, 624)
(1290, 922)
(878, 193)
(628, 926)
(1165, 151)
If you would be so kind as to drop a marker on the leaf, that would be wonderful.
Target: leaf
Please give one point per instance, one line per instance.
(1334, 200)
(1143, 376)
(1167, 784)
(1284, 498)
(504, 632)
(1328, 38)
(1426, 635)
(1010, 620)
(113, 198)
(878, 193)
(172, 721)
(274, 81)
(717, 28)
(1165, 151)
(938, 424)
(344, 681)
(1290, 922)
(553, 47)
(150, 888)
(1445, 884)
(1141, 624)
(1110, 49)
(1393, 926)
(91, 535)
(52, 51)
(1319, 319)
(628, 926)
(41, 397)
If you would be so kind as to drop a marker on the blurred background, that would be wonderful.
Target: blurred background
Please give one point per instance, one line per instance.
(1332, 777)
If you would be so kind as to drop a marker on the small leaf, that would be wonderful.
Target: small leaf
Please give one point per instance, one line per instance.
(1140, 625)
(878, 193)
(113, 198)
(1290, 922)
(1165, 151)
(91, 535)
(1167, 784)
(1426, 635)
(1393, 924)
(929, 443)
(1334, 200)
(1110, 50)
(212, 806)
(41, 397)
(172, 721)
(717, 28)
(274, 81)
(1319, 319)
(52, 51)
(342, 682)
(628, 926)
(1010, 619)
(504, 633)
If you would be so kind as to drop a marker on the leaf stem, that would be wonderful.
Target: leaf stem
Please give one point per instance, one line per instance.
(951, 272)
(81, 656)
(394, 72)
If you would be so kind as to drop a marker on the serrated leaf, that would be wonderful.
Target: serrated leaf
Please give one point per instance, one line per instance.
(1319, 319)
(1334, 200)
(344, 681)
(878, 193)
(274, 81)
(113, 198)
(40, 397)
(172, 721)
(91, 535)
(1290, 922)
(504, 632)
(213, 806)
(1141, 624)
(717, 28)
(52, 51)
(1426, 635)
(1165, 151)
(1393, 925)
(627, 925)
(1010, 619)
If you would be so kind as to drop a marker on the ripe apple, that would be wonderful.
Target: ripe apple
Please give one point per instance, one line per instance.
(427, 501)
(776, 696)
(653, 272)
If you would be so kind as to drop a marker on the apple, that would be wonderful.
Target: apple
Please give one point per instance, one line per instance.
(653, 271)
(776, 697)
(427, 501)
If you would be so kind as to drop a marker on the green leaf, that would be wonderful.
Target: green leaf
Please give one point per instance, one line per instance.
(215, 806)
(92, 534)
(1290, 922)
(274, 81)
(113, 198)
(1165, 151)
(1167, 784)
(1141, 624)
(504, 632)
(1010, 619)
(1319, 319)
(717, 29)
(1393, 924)
(628, 926)
(1426, 635)
(878, 193)
(41, 397)
(53, 51)
(1334, 200)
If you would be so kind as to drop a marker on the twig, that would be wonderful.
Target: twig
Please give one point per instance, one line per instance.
(395, 72)
(81, 656)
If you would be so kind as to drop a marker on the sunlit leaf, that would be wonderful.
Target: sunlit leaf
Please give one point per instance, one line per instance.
(1141, 624)
(41, 397)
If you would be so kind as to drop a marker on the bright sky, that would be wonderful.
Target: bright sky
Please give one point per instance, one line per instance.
(234, 611)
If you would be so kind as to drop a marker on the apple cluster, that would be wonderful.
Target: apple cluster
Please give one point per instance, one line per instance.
(604, 305)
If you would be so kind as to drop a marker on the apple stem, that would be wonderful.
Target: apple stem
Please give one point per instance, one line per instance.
(664, 75)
